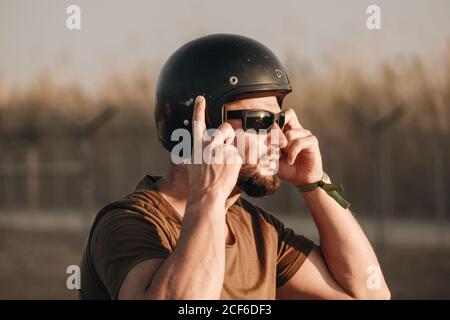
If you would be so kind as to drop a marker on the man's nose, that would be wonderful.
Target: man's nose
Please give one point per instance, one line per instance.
(277, 137)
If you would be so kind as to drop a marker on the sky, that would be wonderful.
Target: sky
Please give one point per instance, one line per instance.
(125, 35)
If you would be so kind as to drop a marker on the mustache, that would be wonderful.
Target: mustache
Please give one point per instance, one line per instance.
(263, 154)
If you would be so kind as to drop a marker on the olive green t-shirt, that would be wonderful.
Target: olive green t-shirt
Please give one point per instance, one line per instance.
(143, 225)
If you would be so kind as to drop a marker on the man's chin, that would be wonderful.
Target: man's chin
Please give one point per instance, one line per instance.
(255, 184)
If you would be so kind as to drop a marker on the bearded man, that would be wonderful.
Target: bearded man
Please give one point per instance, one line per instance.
(190, 234)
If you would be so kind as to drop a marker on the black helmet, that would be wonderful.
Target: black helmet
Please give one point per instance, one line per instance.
(220, 67)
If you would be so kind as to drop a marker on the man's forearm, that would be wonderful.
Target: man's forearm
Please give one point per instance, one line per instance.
(345, 248)
(195, 269)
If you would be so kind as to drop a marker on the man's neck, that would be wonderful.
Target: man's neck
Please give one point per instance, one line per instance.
(174, 187)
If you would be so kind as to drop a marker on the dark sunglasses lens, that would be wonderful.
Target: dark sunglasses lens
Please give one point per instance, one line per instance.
(280, 120)
(259, 120)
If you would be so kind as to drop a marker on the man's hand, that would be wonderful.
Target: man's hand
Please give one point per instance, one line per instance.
(300, 160)
(338, 268)
(217, 176)
(195, 269)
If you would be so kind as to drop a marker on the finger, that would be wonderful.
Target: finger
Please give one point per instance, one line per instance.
(293, 134)
(276, 138)
(284, 169)
(232, 155)
(230, 134)
(198, 117)
(224, 134)
(297, 146)
(291, 120)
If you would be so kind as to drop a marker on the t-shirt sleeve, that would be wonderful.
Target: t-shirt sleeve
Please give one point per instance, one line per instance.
(121, 240)
(293, 249)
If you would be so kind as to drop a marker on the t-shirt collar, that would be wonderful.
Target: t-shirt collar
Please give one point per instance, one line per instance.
(148, 182)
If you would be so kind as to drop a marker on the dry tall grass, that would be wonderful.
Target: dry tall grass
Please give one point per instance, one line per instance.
(405, 166)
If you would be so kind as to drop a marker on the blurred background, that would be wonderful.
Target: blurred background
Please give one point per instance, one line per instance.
(77, 128)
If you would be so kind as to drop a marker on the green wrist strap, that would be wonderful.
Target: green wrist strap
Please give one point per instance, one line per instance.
(330, 188)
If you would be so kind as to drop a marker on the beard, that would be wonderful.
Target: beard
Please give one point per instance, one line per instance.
(254, 184)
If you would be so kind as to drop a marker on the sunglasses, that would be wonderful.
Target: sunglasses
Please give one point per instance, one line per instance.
(257, 119)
